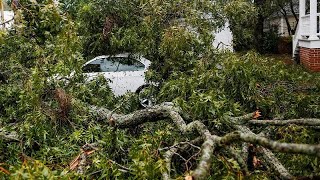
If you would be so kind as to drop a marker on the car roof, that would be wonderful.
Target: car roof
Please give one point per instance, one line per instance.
(143, 60)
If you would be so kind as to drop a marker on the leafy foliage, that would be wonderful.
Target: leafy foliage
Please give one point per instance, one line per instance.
(52, 116)
(245, 82)
(166, 32)
(248, 20)
(238, 13)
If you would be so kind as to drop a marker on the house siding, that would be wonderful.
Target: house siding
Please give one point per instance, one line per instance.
(281, 24)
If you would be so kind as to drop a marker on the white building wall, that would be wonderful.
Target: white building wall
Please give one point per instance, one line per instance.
(8, 15)
(281, 24)
(223, 38)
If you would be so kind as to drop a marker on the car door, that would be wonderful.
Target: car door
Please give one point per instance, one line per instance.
(129, 75)
(123, 73)
(100, 66)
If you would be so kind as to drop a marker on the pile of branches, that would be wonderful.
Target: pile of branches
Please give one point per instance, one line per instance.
(210, 143)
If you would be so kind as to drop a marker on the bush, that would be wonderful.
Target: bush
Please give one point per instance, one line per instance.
(270, 41)
(245, 83)
(285, 45)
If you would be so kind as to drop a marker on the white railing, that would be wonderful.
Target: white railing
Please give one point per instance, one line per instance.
(306, 30)
(305, 25)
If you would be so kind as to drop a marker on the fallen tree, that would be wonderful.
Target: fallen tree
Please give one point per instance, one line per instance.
(211, 142)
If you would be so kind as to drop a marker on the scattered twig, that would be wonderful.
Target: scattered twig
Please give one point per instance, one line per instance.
(3, 169)
(79, 162)
(121, 166)
(184, 159)
(6, 22)
(173, 149)
(177, 145)
(192, 157)
(268, 156)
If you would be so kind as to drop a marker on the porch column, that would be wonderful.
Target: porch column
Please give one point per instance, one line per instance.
(302, 12)
(313, 20)
(302, 8)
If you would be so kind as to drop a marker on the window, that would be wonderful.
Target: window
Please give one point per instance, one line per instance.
(109, 65)
(129, 64)
(89, 68)
(307, 7)
(113, 64)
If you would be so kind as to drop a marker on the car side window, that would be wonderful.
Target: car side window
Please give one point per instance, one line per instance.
(101, 65)
(94, 66)
(129, 64)
(109, 65)
(113, 64)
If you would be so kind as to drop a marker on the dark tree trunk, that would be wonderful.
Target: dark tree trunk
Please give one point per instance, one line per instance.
(285, 16)
(295, 16)
(259, 26)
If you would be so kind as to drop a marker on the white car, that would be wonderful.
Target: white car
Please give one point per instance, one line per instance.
(125, 72)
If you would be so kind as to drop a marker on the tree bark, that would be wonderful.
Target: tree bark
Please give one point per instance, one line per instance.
(295, 16)
(300, 122)
(285, 16)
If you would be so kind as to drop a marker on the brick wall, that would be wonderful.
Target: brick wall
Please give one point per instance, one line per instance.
(310, 58)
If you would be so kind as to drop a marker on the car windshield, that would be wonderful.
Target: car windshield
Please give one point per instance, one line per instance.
(113, 64)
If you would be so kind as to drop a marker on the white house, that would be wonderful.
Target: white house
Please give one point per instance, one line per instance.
(306, 42)
(284, 16)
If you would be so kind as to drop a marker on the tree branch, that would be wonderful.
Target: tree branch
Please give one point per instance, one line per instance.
(300, 122)
(268, 156)
(6, 21)
(293, 11)
(164, 111)
(274, 145)
(234, 154)
(174, 149)
(9, 136)
(168, 157)
(125, 169)
(244, 118)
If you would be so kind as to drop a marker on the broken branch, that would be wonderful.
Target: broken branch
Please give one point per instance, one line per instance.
(300, 122)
